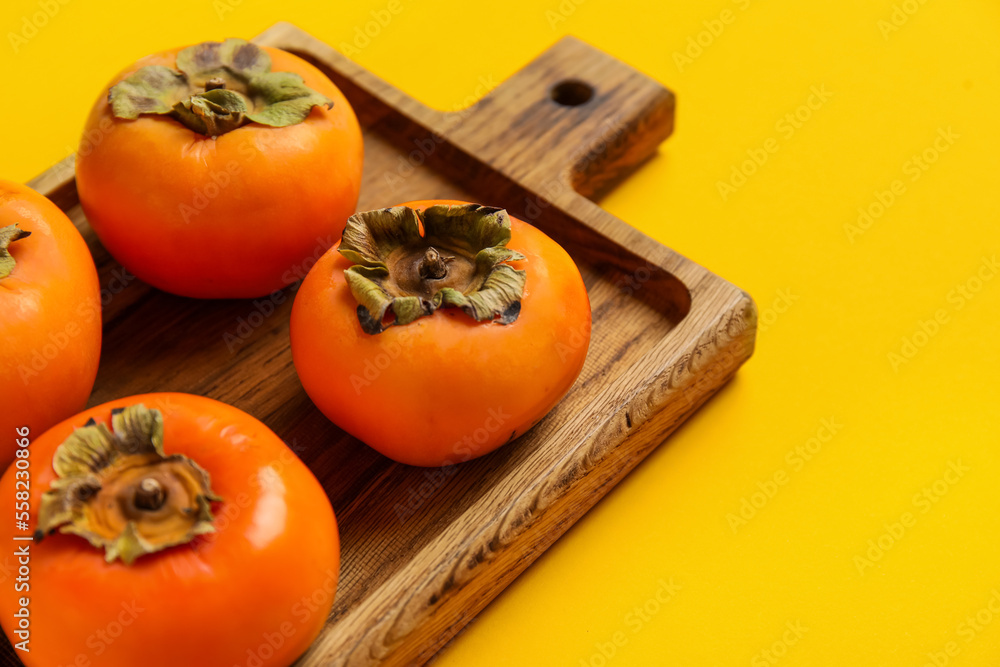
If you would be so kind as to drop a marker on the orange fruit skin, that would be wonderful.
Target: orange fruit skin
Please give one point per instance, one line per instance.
(444, 388)
(257, 591)
(231, 217)
(50, 318)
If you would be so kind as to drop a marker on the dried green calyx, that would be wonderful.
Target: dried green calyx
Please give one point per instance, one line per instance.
(8, 235)
(118, 490)
(400, 275)
(216, 88)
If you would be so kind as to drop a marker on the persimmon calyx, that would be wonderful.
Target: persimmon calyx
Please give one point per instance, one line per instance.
(8, 235)
(216, 88)
(117, 489)
(401, 275)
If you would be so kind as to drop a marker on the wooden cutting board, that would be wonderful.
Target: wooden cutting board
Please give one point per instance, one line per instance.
(425, 550)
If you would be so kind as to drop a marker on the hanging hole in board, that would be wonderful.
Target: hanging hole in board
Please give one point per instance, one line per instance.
(572, 93)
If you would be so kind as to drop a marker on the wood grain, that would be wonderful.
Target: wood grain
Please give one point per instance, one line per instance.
(425, 550)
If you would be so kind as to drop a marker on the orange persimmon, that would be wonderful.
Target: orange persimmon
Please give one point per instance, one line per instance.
(174, 530)
(214, 171)
(50, 316)
(437, 331)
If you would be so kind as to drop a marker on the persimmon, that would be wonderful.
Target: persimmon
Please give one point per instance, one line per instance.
(170, 530)
(50, 315)
(437, 331)
(214, 171)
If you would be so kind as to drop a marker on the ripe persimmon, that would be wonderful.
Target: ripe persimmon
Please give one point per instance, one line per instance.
(214, 171)
(437, 331)
(50, 316)
(170, 530)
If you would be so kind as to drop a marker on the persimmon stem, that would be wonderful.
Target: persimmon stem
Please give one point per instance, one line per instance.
(9, 235)
(397, 266)
(118, 489)
(150, 495)
(434, 265)
(217, 87)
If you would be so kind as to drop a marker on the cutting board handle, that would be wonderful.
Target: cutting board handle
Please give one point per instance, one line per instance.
(574, 119)
(573, 116)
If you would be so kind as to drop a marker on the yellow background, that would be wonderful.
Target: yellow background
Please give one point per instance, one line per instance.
(854, 299)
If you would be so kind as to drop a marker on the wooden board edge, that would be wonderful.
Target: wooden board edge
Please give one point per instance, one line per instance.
(436, 598)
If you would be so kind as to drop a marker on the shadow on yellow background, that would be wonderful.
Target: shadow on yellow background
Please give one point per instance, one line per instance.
(837, 503)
